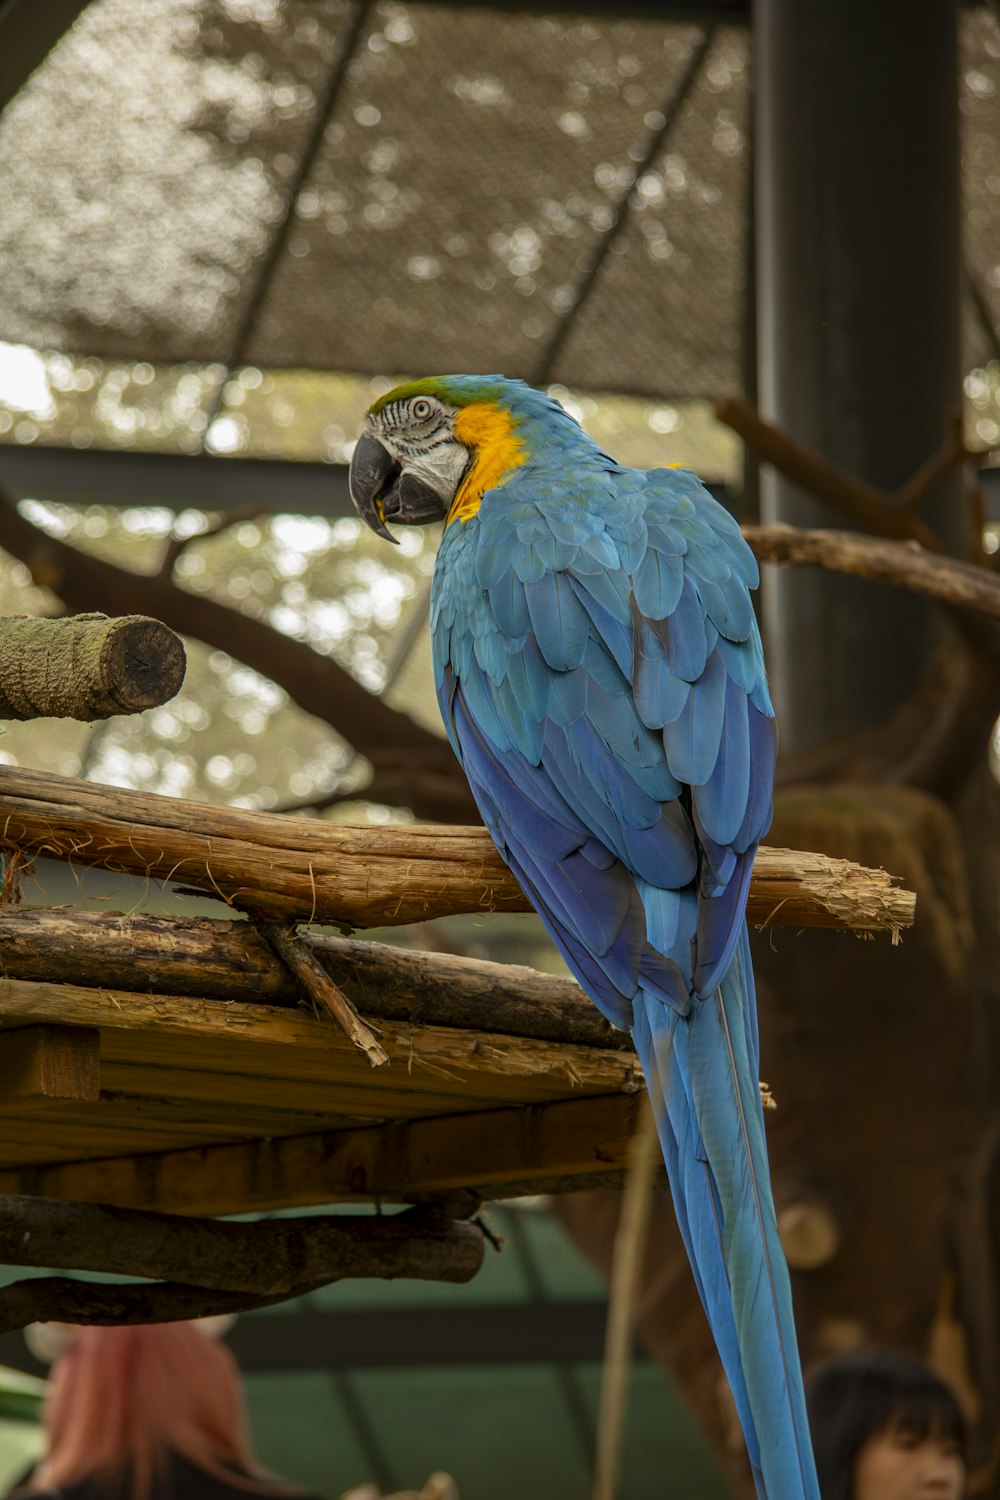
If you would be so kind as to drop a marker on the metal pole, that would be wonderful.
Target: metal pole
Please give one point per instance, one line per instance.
(857, 186)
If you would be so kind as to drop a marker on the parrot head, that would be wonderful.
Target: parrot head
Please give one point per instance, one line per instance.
(429, 450)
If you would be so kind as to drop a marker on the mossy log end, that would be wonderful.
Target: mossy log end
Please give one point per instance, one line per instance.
(87, 666)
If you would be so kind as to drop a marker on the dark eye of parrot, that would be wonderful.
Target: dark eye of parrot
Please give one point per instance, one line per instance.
(421, 409)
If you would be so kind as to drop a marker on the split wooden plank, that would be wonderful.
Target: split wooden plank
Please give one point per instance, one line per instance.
(50, 1062)
(531, 1149)
(300, 869)
(117, 1123)
(234, 1041)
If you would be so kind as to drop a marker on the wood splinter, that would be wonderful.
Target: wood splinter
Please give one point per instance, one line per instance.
(300, 959)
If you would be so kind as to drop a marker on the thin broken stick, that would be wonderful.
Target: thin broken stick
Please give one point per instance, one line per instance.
(308, 970)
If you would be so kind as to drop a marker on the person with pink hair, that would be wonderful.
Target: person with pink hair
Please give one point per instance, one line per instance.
(153, 1412)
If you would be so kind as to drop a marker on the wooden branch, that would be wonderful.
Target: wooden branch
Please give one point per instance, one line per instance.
(87, 666)
(951, 453)
(864, 503)
(902, 564)
(269, 1258)
(231, 961)
(65, 1299)
(303, 870)
(328, 998)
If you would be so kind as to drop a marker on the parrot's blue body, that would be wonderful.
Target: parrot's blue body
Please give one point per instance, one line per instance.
(600, 674)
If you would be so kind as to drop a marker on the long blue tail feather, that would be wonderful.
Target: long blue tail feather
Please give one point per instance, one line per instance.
(702, 1077)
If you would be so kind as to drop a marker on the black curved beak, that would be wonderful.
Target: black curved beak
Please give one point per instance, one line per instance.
(382, 492)
(373, 473)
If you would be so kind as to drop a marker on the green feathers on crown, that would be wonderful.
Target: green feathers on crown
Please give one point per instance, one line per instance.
(455, 390)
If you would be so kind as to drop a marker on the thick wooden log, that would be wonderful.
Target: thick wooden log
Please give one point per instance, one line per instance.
(272, 1258)
(493, 1153)
(299, 869)
(231, 961)
(87, 666)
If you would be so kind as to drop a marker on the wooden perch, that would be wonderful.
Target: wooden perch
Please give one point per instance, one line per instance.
(299, 869)
(905, 564)
(66, 1299)
(205, 1266)
(268, 1258)
(87, 666)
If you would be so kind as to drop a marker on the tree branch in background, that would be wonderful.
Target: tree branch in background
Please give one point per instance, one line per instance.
(952, 452)
(393, 743)
(87, 666)
(936, 738)
(901, 564)
(177, 545)
(863, 502)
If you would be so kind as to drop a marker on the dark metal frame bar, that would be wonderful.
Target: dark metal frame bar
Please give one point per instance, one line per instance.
(93, 476)
(671, 106)
(244, 330)
(28, 32)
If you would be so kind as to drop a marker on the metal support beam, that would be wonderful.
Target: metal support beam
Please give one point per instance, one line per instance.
(180, 481)
(415, 1337)
(98, 477)
(857, 179)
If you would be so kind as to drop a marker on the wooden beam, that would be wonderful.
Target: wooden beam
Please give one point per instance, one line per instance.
(301, 869)
(50, 1062)
(532, 1149)
(250, 1041)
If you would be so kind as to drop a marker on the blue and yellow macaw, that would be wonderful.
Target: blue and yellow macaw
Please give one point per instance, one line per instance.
(600, 674)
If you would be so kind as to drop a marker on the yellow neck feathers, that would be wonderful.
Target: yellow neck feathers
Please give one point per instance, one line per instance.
(488, 432)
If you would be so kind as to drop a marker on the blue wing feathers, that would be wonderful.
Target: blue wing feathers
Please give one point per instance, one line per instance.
(721, 800)
(685, 637)
(692, 741)
(561, 624)
(658, 583)
(600, 671)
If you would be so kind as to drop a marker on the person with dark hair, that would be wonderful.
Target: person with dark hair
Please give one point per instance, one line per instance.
(885, 1428)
